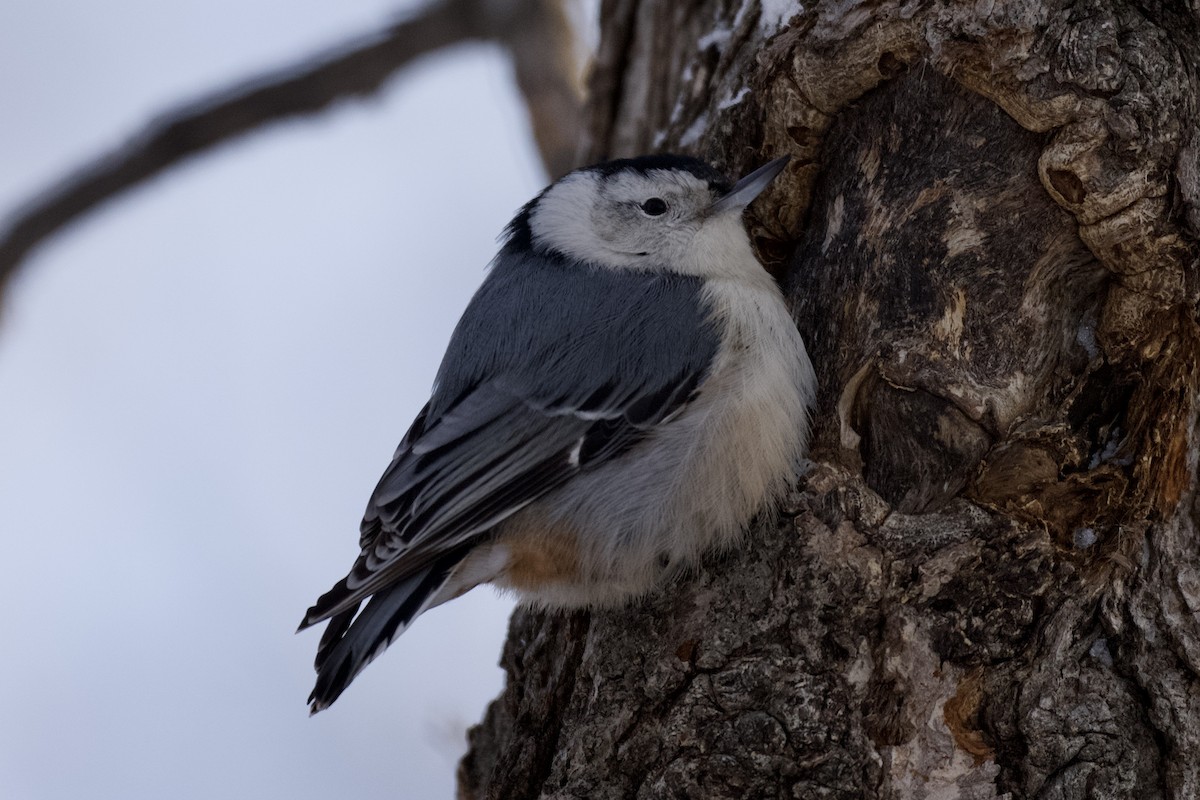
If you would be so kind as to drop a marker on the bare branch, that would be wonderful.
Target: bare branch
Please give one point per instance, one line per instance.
(541, 42)
(356, 68)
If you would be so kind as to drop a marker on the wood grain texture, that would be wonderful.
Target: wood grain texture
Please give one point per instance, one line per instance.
(988, 583)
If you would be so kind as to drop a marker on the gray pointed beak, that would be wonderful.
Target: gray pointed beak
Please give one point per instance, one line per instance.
(749, 187)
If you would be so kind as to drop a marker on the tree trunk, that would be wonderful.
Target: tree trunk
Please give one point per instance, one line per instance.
(988, 582)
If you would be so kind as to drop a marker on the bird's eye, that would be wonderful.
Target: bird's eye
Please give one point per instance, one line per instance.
(655, 206)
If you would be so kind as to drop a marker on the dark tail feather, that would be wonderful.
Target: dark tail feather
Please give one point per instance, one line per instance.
(350, 643)
(332, 635)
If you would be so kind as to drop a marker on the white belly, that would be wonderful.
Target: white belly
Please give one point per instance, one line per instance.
(701, 478)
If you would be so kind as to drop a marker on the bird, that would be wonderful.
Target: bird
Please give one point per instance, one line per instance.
(623, 393)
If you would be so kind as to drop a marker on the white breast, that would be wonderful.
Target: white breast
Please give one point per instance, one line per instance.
(696, 483)
(755, 425)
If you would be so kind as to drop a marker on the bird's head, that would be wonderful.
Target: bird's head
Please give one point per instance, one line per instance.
(672, 213)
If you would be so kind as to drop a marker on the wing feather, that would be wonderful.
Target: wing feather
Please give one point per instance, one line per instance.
(551, 371)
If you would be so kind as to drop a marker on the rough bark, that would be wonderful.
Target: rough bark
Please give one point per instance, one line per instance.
(988, 581)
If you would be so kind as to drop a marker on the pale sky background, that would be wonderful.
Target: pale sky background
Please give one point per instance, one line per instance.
(199, 386)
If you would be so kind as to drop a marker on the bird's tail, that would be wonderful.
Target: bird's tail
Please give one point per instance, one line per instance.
(351, 642)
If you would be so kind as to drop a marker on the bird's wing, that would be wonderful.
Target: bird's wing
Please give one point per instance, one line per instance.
(550, 372)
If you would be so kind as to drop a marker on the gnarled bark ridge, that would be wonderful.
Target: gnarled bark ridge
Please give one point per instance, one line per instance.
(988, 582)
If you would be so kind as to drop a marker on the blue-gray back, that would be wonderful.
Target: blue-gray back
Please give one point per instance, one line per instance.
(553, 369)
(561, 332)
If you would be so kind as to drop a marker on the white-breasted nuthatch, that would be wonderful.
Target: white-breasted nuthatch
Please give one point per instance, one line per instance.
(623, 393)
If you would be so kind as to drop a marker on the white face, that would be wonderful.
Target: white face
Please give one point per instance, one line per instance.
(658, 219)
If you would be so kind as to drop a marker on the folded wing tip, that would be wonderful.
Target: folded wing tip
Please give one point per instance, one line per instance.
(313, 616)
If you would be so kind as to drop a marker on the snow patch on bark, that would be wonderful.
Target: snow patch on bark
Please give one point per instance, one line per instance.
(775, 13)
